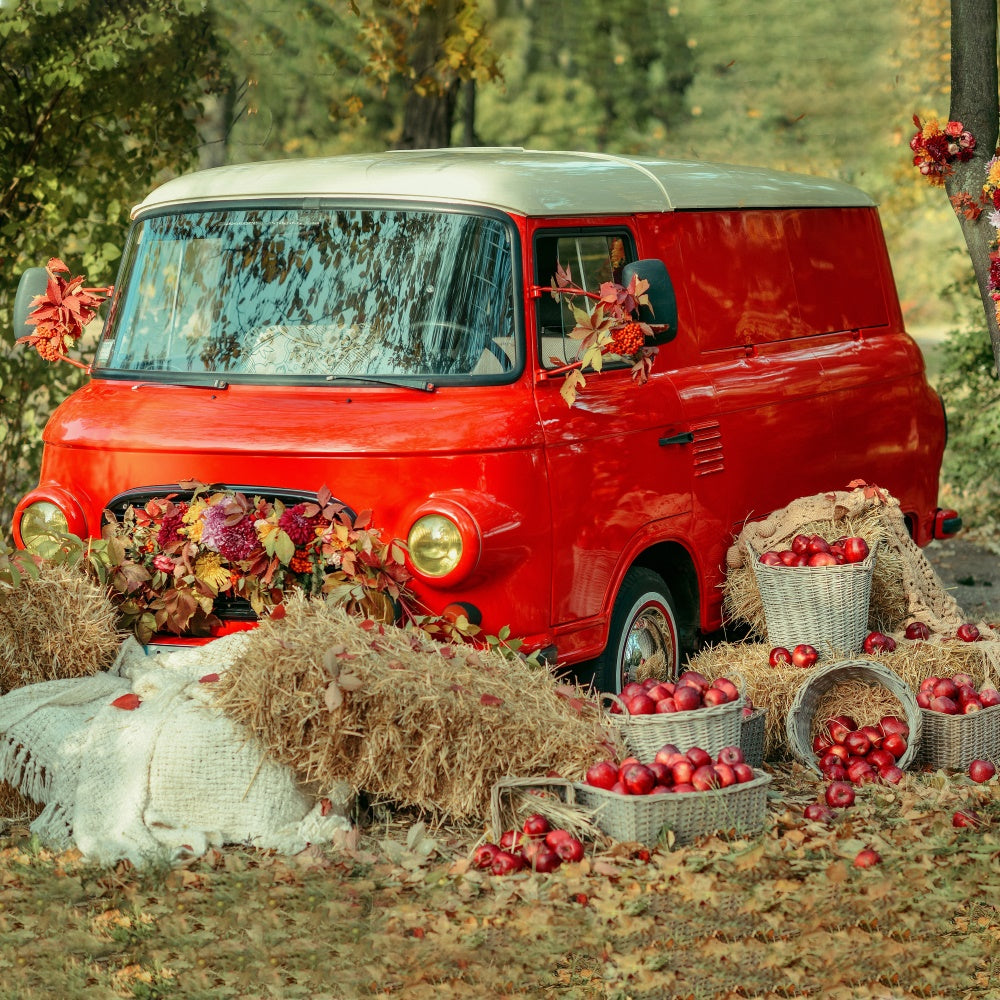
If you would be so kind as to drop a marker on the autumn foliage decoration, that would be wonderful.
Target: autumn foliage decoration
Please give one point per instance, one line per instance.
(60, 315)
(168, 562)
(605, 326)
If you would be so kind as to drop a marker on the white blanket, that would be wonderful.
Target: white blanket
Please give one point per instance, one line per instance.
(167, 779)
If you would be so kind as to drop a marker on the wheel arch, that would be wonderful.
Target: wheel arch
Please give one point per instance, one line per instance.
(673, 562)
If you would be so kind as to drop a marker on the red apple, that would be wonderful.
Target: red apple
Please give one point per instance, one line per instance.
(553, 837)
(683, 787)
(839, 726)
(982, 770)
(880, 759)
(687, 698)
(867, 858)
(861, 773)
(779, 656)
(963, 679)
(631, 690)
(874, 734)
(730, 755)
(893, 724)
(638, 779)
(505, 863)
(604, 774)
(891, 775)
(966, 817)
(663, 772)
(989, 697)
(945, 688)
(546, 861)
(705, 778)
(821, 743)
(917, 630)
(536, 825)
(839, 794)
(713, 696)
(744, 772)
(804, 655)
(819, 812)
(695, 677)
(855, 549)
(770, 558)
(699, 757)
(483, 855)
(823, 559)
(967, 632)
(665, 752)
(817, 543)
(836, 772)
(800, 544)
(682, 771)
(895, 743)
(840, 751)
(660, 691)
(939, 703)
(511, 839)
(666, 705)
(641, 704)
(570, 849)
(725, 685)
(972, 705)
(725, 774)
(927, 684)
(878, 642)
(857, 743)
(788, 557)
(923, 699)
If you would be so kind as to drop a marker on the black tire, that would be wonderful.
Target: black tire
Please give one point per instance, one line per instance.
(643, 624)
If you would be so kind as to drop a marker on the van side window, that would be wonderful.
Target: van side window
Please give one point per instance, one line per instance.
(591, 259)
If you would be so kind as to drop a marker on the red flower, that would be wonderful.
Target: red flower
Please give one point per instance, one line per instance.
(299, 528)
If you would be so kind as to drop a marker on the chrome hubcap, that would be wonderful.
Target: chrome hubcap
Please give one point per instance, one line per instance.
(649, 649)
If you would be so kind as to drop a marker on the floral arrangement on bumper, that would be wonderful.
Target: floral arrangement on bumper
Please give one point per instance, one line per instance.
(60, 315)
(936, 148)
(167, 562)
(606, 327)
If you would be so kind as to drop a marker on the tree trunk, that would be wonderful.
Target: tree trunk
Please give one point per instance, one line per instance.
(974, 102)
(429, 110)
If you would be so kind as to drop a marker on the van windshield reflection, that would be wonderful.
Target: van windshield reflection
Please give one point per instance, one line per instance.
(294, 294)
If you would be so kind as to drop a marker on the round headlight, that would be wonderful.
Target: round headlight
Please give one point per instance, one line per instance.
(39, 522)
(435, 545)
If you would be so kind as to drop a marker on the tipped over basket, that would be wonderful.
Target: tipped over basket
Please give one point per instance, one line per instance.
(799, 721)
(824, 606)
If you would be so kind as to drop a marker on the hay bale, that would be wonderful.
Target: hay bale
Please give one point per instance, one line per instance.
(403, 718)
(14, 807)
(774, 688)
(61, 624)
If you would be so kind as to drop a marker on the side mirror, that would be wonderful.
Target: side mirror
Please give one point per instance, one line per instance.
(662, 308)
(33, 282)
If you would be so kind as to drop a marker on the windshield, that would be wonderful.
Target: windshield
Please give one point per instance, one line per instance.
(291, 293)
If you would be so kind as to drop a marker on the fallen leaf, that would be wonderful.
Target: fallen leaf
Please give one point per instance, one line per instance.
(129, 702)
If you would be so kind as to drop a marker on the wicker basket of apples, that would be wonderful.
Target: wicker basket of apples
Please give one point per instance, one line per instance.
(961, 722)
(816, 592)
(691, 712)
(678, 796)
(880, 751)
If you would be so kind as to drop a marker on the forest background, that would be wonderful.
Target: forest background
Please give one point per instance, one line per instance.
(100, 101)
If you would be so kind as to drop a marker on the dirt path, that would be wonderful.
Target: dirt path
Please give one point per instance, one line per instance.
(971, 572)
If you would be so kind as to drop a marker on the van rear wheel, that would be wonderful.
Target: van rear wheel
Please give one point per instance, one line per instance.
(642, 639)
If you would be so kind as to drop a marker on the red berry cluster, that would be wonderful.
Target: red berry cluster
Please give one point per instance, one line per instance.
(627, 339)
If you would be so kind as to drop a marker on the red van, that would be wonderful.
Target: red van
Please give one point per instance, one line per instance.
(378, 325)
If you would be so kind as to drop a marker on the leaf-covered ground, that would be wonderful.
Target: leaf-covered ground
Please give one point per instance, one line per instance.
(783, 915)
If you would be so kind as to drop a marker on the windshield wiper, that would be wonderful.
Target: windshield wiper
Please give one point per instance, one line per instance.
(418, 386)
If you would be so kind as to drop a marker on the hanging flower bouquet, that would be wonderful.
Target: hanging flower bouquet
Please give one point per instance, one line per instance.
(936, 149)
(167, 563)
(606, 327)
(61, 313)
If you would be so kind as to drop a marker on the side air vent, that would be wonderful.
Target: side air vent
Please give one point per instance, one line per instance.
(706, 448)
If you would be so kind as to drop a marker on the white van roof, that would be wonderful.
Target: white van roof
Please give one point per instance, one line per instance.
(520, 181)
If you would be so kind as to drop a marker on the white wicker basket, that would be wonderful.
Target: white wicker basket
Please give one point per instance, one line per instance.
(824, 606)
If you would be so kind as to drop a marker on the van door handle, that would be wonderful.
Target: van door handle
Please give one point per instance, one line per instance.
(686, 438)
